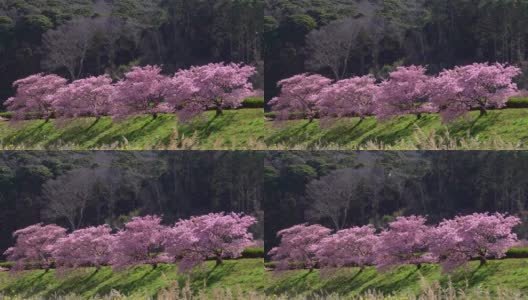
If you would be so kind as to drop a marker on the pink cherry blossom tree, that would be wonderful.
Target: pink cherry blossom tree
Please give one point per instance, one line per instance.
(214, 86)
(89, 247)
(406, 241)
(85, 97)
(34, 246)
(349, 247)
(140, 242)
(406, 91)
(479, 236)
(298, 246)
(299, 94)
(142, 91)
(478, 86)
(216, 235)
(35, 94)
(349, 97)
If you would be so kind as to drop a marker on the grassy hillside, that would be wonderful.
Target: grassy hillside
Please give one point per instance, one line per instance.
(244, 274)
(248, 276)
(510, 125)
(246, 129)
(507, 274)
(237, 129)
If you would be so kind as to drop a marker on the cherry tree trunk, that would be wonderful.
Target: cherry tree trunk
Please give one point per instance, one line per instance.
(219, 111)
(219, 260)
(483, 261)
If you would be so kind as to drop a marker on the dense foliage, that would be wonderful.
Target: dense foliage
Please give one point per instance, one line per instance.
(407, 90)
(298, 246)
(143, 240)
(406, 241)
(34, 246)
(215, 236)
(343, 189)
(82, 38)
(81, 189)
(144, 90)
(342, 39)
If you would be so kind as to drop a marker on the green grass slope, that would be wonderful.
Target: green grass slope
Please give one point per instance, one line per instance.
(243, 274)
(235, 129)
(507, 274)
(510, 125)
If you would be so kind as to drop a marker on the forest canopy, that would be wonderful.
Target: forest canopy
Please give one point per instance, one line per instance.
(343, 189)
(376, 36)
(81, 189)
(81, 38)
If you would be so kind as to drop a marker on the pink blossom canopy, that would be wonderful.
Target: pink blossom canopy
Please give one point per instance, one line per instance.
(476, 86)
(35, 94)
(216, 235)
(349, 97)
(140, 242)
(89, 247)
(216, 85)
(405, 92)
(298, 246)
(349, 247)
(481, 236)
(300, 93)
(406, 241)
(34, 246)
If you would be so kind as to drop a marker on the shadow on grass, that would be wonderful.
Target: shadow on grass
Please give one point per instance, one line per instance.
(292, 285)
(139, 284)
(80, 283)
(475, 276)
(213, 276)
(28, 134)
(77, 133)
(30, 285)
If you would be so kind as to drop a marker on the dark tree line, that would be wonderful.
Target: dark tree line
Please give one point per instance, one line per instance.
(375, 36)
(82, 38)
(80, 189)
(344, 189)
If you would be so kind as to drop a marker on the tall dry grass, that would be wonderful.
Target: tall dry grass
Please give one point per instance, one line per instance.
(432, 141)
(430, 291)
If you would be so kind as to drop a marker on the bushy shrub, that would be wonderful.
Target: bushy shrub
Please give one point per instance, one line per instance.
(253, 253)
(270, 115)
(270, 265)
(253, 102)
(517, 252)
(6, 265)
(6, 115)
(517, 102)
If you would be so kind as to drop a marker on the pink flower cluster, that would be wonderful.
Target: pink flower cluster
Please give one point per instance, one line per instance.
(143, 90)
(407, 240)
(407, 90)
(143, 240)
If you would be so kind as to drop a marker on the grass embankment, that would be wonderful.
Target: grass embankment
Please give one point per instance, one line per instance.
(245, 129)
(507, 274)
(507, 125)
(247, 276)
(235, 129)
(141, 281)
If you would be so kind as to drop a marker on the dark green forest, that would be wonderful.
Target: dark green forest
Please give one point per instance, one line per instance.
(79, 38)
(80, 189)
(343, 189)
(308, 36)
